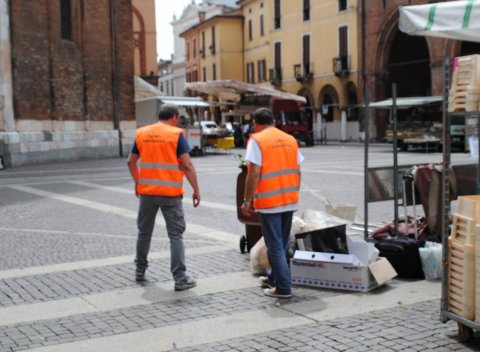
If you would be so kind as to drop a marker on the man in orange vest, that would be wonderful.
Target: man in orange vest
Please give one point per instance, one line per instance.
(271, 189)
(157, 162)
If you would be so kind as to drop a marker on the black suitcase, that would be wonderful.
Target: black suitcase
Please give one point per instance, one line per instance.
(403, 254)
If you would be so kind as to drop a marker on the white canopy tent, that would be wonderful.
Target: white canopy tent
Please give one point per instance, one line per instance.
(458, 20)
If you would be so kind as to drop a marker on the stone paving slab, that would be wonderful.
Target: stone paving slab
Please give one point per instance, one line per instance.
(415, 327)
(60, 285)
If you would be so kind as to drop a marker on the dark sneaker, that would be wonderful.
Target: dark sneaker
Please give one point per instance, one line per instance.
(265, 282)
(140, 275)
(185, 284)
(272, 292)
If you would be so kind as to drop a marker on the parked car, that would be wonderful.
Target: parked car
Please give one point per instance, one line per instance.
(210, 128)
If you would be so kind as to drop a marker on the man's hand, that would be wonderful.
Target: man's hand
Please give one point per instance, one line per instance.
(196, 199)
(247, 209)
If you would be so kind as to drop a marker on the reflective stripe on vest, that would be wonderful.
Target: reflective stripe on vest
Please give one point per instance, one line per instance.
(279, 182)
(159, 168)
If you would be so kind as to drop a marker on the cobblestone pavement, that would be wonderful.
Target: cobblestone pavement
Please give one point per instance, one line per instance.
(66, 270)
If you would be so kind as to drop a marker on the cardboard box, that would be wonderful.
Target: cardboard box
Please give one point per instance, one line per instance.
(339, 271)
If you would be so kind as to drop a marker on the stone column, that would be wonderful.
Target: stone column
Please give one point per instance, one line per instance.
(343, 126)
(7, 122)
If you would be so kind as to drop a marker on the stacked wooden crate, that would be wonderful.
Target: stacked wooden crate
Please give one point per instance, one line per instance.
(465, 89)
(462, 274)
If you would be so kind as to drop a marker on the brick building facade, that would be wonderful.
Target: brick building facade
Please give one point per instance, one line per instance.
(388, 55)
(67, 86)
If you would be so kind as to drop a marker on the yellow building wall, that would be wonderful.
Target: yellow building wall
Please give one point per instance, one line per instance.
(147, 10)
(325, 19)
(228, 56)
(230, 50)
(259, 47)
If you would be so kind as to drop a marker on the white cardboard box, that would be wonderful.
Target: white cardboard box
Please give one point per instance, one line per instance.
(339, 271)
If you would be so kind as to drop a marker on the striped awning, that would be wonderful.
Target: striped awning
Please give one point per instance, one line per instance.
(458, 20)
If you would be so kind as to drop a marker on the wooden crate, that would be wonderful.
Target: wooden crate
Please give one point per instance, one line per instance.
(469, 207)
(463, 230)
(477, 275)
(461, 278)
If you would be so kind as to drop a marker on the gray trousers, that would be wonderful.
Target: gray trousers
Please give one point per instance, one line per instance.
(172, 211)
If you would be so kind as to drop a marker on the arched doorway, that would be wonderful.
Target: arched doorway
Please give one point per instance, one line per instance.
(309, 111)
(405, 61)
(409, 66)
(139, 42)
(352, 128)
(330, 114)
(352, 101)
(328, 103)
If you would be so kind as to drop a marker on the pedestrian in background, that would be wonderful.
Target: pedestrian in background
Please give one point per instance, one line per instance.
(272, 189)
(157, 162)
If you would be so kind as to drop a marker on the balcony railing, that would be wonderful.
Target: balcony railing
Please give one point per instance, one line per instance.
(303, 72)
(341, 65)
(275, 75)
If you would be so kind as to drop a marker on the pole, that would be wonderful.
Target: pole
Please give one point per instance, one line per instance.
(365, 163)
(116, 75)
(395, 157)
(445, 210)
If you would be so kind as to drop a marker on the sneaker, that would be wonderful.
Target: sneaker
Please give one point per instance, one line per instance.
(265, 282)
(185, 284)
(140, 275)
(272, 292)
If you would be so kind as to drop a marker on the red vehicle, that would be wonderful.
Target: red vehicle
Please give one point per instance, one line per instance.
(292, 118)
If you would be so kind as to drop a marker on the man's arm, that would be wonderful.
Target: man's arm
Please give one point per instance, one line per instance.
(191, 175)
(132, 166)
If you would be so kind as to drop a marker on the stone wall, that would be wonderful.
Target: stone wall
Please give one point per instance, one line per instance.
(66, 101)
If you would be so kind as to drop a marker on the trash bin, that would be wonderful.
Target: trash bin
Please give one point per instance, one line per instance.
(252, 223)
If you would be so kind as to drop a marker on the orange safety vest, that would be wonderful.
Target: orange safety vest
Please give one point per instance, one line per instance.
(159, 173)
(279, 182)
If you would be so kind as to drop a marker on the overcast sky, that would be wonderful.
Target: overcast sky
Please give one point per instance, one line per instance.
(165, 9)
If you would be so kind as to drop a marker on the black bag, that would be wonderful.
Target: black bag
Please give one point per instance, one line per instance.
(403, 254)
(331, 240)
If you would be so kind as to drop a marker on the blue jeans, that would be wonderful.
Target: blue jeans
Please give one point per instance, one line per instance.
(172, 211)
(276, 232)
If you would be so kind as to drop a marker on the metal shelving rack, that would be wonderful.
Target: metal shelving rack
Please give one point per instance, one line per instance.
(465, 326)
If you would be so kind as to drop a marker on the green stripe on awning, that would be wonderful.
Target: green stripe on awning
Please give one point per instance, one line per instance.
(431, 17)
(468, 13)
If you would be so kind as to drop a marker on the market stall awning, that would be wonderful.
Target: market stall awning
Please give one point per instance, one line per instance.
(233, 90)
(458, 20)
(188, 102)
(406, 102)
(144, 90)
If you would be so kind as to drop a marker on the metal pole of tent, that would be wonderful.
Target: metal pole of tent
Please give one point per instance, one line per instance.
(365, 163)
(395, 156)
(445, 211)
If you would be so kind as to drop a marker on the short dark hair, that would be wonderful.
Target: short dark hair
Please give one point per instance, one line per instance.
(263, 116)
(167, 111)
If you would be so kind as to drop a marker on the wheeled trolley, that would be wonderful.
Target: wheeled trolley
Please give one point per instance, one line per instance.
(252, 223)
